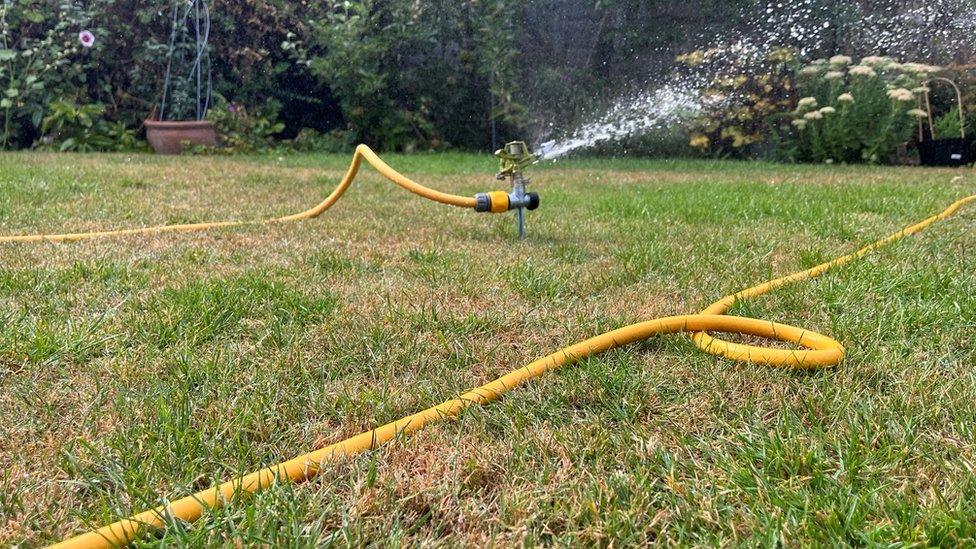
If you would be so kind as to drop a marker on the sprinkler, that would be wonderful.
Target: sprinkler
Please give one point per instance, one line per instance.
(514, 158)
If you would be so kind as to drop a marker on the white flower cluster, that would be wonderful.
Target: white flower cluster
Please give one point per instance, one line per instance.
(899, 79)
(919, 68)
(876, 61)
(901, 94)
(863, 70)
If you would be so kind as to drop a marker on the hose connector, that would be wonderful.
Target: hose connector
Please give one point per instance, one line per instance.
(500, 201)
(494, 202)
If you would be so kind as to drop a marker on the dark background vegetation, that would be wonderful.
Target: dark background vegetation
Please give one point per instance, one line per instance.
(396, 74)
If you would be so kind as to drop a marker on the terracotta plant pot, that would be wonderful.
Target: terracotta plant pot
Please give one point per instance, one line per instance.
(168, 137)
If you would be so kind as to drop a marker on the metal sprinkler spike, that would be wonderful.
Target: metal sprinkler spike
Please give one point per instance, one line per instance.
(515, 158)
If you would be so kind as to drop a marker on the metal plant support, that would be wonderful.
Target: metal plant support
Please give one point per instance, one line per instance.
(943, 150)
(189, 50)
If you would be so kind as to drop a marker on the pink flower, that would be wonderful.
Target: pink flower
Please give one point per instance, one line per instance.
(86, 38)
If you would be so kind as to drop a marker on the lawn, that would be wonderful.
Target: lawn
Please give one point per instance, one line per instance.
(147, 367)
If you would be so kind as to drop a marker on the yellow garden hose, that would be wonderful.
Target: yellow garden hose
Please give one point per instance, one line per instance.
(362, 152)
(816, 351)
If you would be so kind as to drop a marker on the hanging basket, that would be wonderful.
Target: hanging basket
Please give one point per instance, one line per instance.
(946, 151)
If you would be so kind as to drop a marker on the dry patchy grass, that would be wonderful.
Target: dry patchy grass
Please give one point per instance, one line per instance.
(141, 368)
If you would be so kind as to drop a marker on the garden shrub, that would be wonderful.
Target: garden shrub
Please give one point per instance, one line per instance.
(740, 104)
(948, 124)
(418, 74)
(402, 74)
(41, 61)
(83, 128)
(855, 112)
(242, 130)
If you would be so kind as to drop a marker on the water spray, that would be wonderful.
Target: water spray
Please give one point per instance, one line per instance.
(515, 157)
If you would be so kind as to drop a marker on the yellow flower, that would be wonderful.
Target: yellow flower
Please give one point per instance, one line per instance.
(692, 59)
(827, 110)
(833, 75)
(781, 54)
(807, 102)
(738, 138)
(840, 60)
(813, 115)
(700, 141)
(845, 98)
(918, 113)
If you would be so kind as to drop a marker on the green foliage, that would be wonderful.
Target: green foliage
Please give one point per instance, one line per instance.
(70, 127)
(362, 44)
(188, 64)
(858, 113)
(40, 60)
(943, 96)
(252, 45)
(419, 74)
(948, 124)
(244, 131)
(309, 140)
(408, 75)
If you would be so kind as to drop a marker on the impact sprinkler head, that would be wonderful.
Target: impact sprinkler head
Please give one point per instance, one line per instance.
(515, 157)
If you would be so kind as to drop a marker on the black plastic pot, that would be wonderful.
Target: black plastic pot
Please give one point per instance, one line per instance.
(945, 152)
